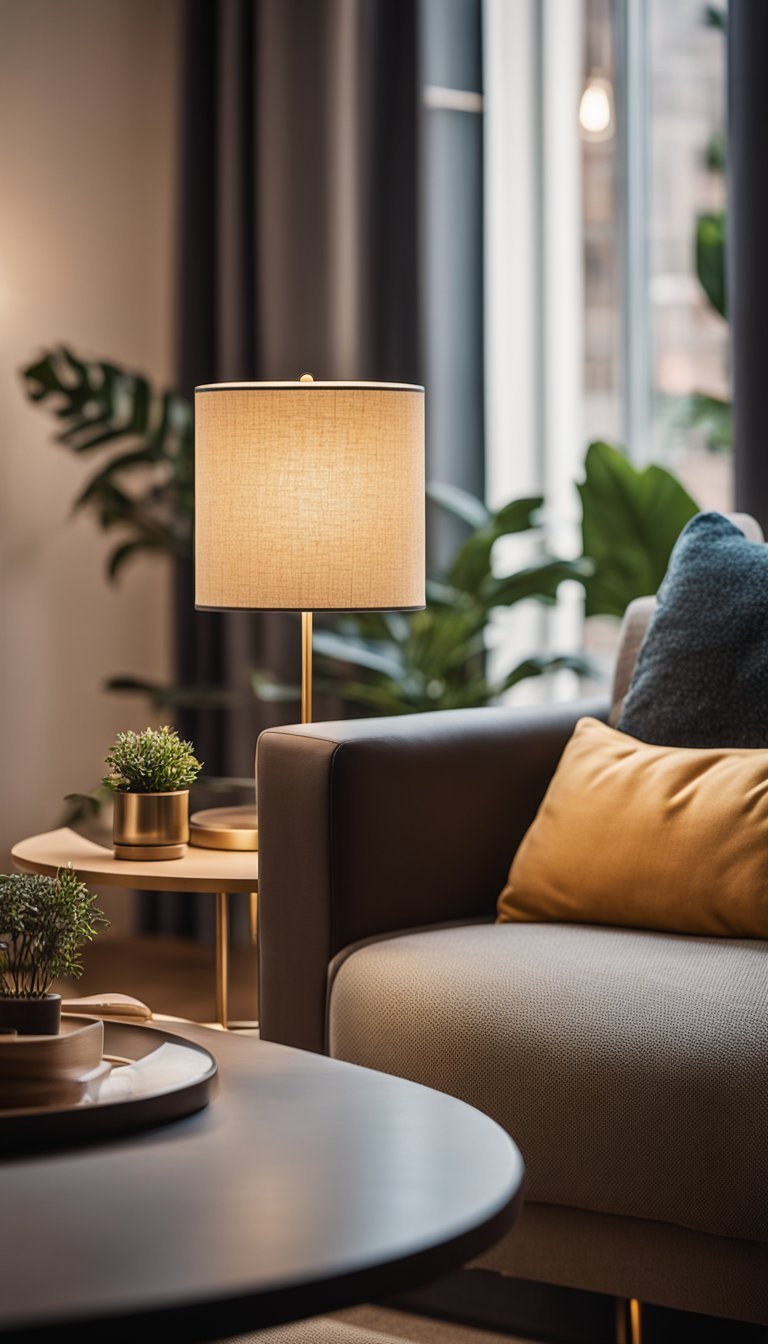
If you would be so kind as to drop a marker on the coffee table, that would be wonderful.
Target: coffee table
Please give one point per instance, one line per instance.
(215, 870)
(307, 1185)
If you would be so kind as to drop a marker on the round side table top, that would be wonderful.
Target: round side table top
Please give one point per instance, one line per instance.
(306, 1185)
(198, 870)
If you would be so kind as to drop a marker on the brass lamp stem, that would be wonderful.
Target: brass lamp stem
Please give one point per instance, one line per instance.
(306, 667)
(306, 639)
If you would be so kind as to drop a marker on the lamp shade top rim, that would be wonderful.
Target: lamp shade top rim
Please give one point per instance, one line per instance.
(296, 385)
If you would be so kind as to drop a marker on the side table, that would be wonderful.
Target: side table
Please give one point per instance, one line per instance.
(218, 871)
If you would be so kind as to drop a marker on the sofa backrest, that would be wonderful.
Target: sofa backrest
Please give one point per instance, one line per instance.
(637, 619)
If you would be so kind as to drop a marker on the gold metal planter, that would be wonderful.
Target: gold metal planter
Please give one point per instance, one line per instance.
(149, 826)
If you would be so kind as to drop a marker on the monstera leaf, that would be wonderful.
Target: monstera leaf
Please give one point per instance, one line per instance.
(471, 566)
(143, 486)
(630, 521)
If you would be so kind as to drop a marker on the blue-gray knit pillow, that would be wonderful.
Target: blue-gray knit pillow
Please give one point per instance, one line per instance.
(701, 678)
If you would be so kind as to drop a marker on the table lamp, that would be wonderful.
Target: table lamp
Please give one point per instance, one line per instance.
(309, 496)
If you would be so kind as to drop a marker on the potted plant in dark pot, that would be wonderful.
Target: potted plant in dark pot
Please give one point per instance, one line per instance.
(44, 922)
(150, 773)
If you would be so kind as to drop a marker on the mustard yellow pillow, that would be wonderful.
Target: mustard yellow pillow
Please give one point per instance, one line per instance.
(647, 837)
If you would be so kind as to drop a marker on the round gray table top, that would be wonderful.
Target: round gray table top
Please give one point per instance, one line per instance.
(306, 1185)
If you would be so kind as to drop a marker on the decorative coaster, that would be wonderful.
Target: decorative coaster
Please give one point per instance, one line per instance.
(225, 828)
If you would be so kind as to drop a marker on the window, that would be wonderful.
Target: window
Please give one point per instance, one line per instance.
(603, 130)
(689, 337)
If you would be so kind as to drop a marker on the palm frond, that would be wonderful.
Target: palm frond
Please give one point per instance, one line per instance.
(143, 487)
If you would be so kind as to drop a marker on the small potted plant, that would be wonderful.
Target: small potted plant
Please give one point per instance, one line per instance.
(44, 922)
(150, 773)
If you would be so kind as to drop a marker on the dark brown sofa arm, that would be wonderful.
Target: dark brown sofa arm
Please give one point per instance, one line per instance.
(372, 825)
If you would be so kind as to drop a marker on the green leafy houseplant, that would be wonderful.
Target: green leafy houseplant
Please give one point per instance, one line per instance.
(153, 761)
(44, 923)
(143, 491)
(150, 773)
(631, 519)
(398, 663)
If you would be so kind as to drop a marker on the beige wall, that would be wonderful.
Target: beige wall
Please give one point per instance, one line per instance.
(88, 153)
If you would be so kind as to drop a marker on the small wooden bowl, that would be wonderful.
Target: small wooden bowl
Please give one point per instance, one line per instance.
(51, 1070)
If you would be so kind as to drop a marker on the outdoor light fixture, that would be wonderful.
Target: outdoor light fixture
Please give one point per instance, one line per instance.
(597, 119)
(596, 116)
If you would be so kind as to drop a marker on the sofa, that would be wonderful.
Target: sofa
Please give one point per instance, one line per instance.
(631, 1067)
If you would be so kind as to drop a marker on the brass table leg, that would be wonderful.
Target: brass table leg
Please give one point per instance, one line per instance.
(253, 914)
(222, 958)
(629, 1321)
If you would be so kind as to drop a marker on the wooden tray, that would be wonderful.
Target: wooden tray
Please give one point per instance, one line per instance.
(155, 1077)
(45, 1071)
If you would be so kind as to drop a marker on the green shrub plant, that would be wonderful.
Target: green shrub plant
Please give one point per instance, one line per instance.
(153, 761)
(44, 922)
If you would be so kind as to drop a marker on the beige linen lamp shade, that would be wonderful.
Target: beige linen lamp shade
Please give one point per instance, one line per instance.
(309, 496)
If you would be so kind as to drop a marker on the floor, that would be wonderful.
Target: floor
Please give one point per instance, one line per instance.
(170, 975)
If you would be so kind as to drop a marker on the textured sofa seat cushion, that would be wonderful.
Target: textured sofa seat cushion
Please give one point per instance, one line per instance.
(701, 678)
(631, 1068)
(650, 837)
